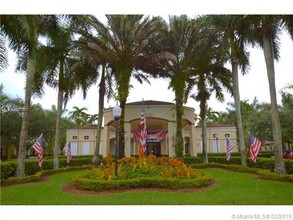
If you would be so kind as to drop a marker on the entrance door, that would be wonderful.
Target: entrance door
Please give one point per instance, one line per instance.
(154, 148)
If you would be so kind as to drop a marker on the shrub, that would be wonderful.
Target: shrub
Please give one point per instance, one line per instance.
(81, 182)
(170, 173)
(38, 175)
(266, 174)
(261, 163)
(8, 168)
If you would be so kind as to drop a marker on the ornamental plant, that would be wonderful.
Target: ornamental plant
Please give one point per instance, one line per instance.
(150, 166)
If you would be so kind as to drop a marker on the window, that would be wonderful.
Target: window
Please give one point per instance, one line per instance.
(74, 137)
(86, 137)
(187, 145)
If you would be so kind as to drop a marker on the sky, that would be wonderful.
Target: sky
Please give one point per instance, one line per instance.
(253, 84)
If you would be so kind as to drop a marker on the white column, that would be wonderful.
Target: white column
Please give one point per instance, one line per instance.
(128, 134)
(171, 136)
(105, 142)
(193, 152)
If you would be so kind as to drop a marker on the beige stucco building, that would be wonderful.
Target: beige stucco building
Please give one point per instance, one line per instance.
(161, 125)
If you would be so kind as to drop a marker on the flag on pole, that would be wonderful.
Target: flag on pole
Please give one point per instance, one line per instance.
(255, 146)
(229, 146)
(67, 151)
(143, 131)
(38, 148)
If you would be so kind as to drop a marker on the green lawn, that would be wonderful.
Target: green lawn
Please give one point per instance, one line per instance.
(233, 189)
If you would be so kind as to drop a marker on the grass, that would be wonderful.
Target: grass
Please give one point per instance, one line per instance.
(234, 188)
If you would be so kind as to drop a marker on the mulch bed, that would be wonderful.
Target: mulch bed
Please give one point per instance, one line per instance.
(69, 188)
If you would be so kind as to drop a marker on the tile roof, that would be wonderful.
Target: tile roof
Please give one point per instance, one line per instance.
(85, 127)
(213, 125)
(150, 102)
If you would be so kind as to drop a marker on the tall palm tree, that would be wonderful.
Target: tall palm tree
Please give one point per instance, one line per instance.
(265, 30)
(105, 89)
(106, 77)
(209, 75)
(61, 70)
(124, 44)
(179, 41)
(3, 52)
(232, 28)
(22, 32)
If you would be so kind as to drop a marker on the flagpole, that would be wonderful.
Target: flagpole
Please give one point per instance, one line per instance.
(143, 109)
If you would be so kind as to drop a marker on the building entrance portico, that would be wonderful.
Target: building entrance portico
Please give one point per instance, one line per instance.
(160, 126)
(161, 132)
(156, 140)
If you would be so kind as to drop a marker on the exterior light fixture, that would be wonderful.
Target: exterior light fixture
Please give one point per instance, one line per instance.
(116, 114)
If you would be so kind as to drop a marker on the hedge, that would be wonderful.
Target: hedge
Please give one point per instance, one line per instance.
(81, 182)
(261, 154)
(38, 175)
(266, 174)
(262, 163)
(8, 168)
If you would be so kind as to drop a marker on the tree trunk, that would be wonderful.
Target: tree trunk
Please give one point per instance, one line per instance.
(123, 81)
(179, 138)
(58, 119)
(121, 147)
(203, 117)
(277, 136)
(204, 140)
(20, 170)
(238, 111)
(96, 159)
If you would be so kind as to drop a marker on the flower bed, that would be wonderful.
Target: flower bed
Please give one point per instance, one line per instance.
(150, 172)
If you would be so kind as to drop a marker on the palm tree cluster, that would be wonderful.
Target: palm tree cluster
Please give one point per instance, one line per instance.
(192, 53)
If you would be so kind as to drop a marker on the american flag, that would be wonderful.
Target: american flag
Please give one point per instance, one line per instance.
(230, 147)
(143, 131)
(38, 147)
(67, 151)
(255, 146)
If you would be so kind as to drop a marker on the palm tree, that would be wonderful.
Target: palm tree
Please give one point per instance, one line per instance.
(105, 88)
(22, 32)
(179, 40)
(3, 52)
(79, 115)
(232, 28)
(211, 116)
(60, 69)
(265, 30)
(209, 75)
(124, 44)
(105, 85)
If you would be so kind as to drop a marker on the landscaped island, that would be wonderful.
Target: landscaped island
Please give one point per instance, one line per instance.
(148, 172)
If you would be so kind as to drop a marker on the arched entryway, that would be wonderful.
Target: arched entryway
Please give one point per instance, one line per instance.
(157, 129)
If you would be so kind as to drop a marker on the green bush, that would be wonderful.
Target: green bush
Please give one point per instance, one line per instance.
(144, 172)
(289, 166)
(261, 154)
(38, 175)
(266, 174)
(261, 163)
(81, 182)
(8, 168)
